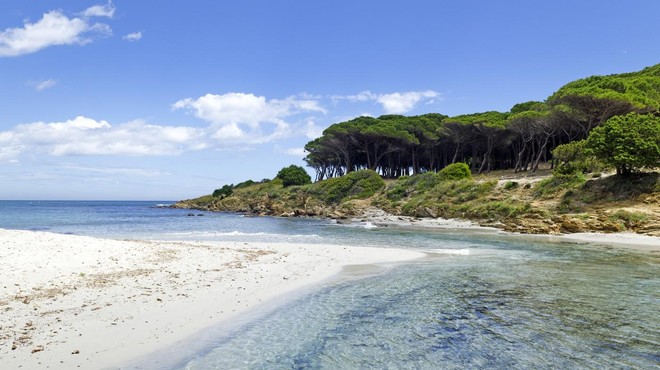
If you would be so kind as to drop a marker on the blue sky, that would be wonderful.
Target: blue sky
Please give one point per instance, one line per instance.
(165, 100)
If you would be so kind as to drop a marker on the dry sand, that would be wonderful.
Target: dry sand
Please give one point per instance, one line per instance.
(72, 302)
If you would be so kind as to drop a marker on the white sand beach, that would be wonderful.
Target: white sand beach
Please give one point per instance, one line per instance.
(72, 302)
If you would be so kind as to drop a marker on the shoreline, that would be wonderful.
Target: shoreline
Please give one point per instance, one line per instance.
(626, 240)
(74, 301)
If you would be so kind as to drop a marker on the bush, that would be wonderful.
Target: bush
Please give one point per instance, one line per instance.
(627, 142)
(244, 184)
(223, 192)
(356, 185)
(629, 219)
(455, 171)
(294, 175)
(510, 185)
(559, 182)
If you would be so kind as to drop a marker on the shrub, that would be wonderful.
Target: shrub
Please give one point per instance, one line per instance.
(455, 171)
(627, 142)
(425, 181)
(356, 185)
(244, 184)
(223, 192)
(629, 219)
(510, 185)
(559, 182)
(398, 192)
(294, 175)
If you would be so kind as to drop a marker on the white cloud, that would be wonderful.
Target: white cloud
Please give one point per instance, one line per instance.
(46, 84)
(399, 103)
(54, 28)
(359, 97)
(107, 10)
(132, 37)
(296, 152)
(247, 118)
(86, 136)
(312, 131)
(394, 103)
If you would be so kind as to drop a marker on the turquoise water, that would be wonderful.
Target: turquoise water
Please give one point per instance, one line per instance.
(477, 301)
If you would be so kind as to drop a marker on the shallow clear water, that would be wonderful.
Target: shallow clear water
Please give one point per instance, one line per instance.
(477, 301)
(489, 309)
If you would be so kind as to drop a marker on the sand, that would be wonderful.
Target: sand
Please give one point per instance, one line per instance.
(72, 302)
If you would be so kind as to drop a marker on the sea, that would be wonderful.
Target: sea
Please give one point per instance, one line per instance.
(480, 300)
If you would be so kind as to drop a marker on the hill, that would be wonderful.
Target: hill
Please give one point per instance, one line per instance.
(519, 202)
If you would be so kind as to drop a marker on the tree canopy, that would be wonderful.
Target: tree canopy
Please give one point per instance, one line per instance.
(520, 139)
(293, 175)
(627, 142)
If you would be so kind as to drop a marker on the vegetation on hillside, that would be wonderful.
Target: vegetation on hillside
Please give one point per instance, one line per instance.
(587, 127)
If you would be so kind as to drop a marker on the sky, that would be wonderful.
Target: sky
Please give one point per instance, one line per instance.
(169, 100)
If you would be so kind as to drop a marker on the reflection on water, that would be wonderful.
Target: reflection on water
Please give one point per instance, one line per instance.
(523, 307)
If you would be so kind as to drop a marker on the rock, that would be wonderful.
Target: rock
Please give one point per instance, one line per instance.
(572, 225)
(432, 212)
(37, 349)
(75, 352)
(609, 226)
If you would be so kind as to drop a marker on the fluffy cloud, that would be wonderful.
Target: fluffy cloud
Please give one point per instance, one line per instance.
(132, 37)
(234, 119)
(394, 103)
(86, 136)
(54, 28)
(246, 117)
(399, 103)
(107, 10)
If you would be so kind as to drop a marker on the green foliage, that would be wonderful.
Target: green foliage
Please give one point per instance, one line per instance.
(396, 193)
(629, 219)
(637, 90)
(294, 175)
(455, 171)
(510, 185)
(244, 184)
(224, 191)
(617, 188)
(407, 185)
(530, 106)
(460, 199)
(490, 118)
(355, 185)
(574, 156)
(627, 142)
(559, 182)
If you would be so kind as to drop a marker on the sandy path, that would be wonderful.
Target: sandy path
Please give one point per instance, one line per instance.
(78, 302)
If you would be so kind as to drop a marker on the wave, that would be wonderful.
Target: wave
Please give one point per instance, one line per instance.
(363, 225)
(460, 252)
(241, 233)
